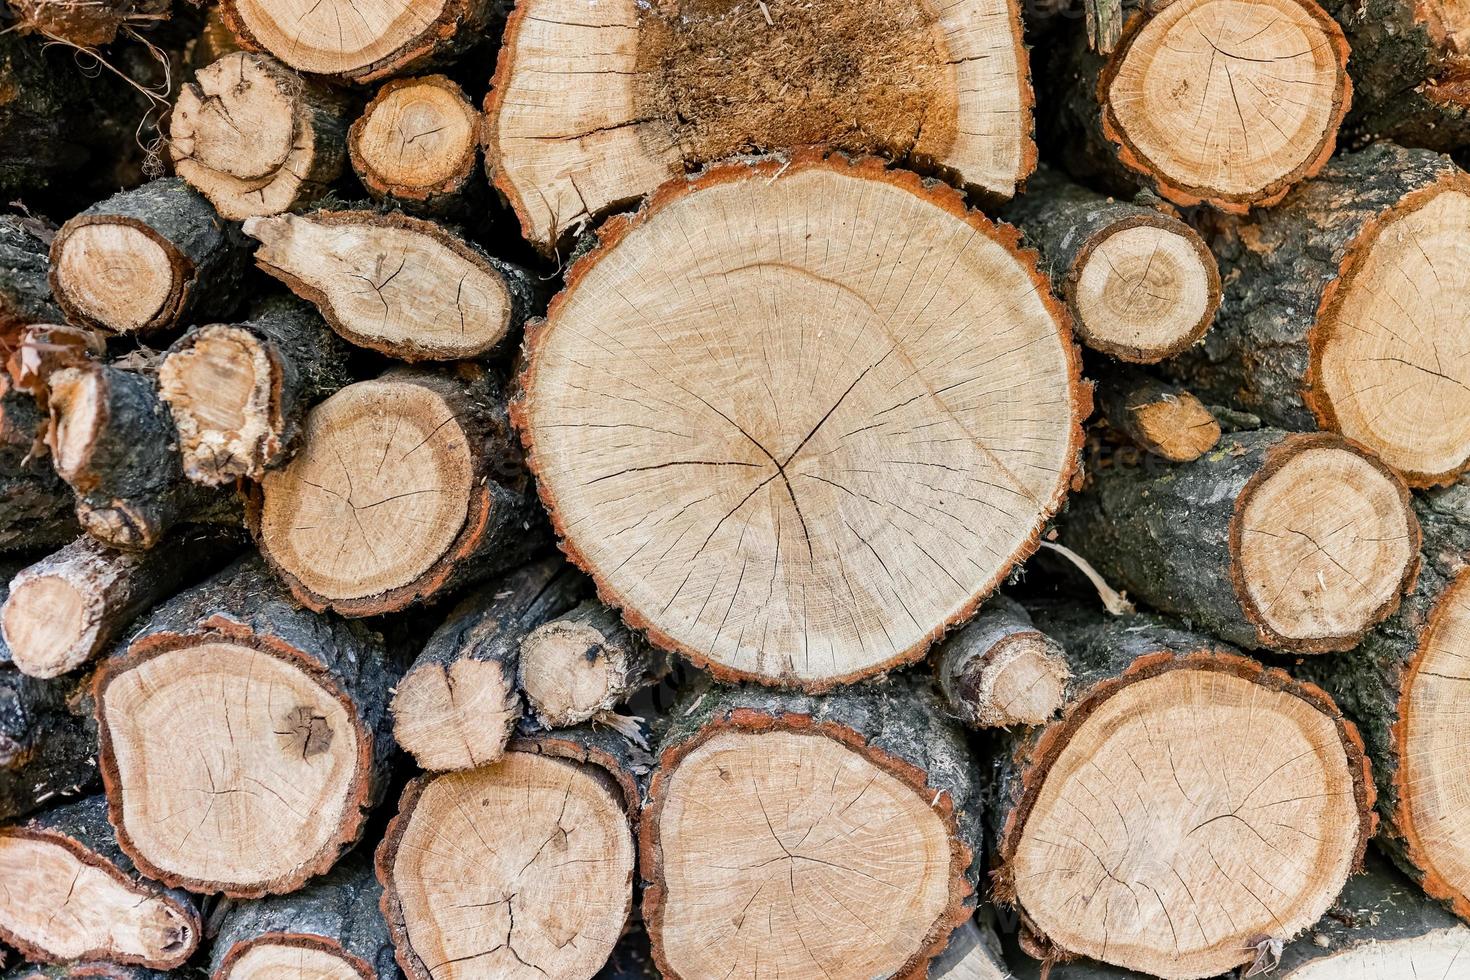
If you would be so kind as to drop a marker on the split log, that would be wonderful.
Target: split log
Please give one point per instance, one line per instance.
(48, 743)
(35, 504)
(764, 521)
(86, 25)
(582, 663)
(1223, 102)
(867, 800)
(1140, 284)
(973, 953)
(1411, 70)
(1000, 670)
(113, 441)
(1346, 311)
(148, 259)
(330, 929)
(1158, 417)
(1188, 803)
(63, 610)
(1300, 543)
(404, 286)
(1404, 685)
(71, 894)
(297, 143)
(517, 870)
(239, 392)
(406, 487)
(1382, 927)
(285, 718)
(943, 87)
(416, 143)
(357, 40)
(25, 265)
(457, 706)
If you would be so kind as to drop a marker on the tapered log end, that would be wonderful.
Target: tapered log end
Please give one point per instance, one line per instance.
(457, 717)
(118, 275)
(223, 390)
(1178, 428)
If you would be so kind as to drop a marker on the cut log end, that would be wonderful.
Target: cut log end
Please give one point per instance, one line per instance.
(1144, 290)
(416, 139)
(584, 663)
(221, 389)
(1325, 543)
(1179, 429)
(1433, 954)
(540, 830)
(1392, 338)
(1225, 101)
(307, 957)
(458, 717)
(63, 903)
(117, 275)
(1022, 681)
(758, 522)
(48, 620)
(76, 400)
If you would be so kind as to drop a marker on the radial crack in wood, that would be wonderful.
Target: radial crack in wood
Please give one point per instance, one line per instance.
(416, 142)
(799, 416)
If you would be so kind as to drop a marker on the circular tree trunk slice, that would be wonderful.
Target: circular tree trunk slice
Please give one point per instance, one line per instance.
(406, 486)
(1188, 803)
(416, 142)
(48, 747)
(1345, 312)
(239, 393)
(330, 930)
(356, 40)
(1300, 543)
(1227, 102)
(297, 136)
(147, 259)
(457, 706)
(401, 285)
(948, 88)
(285, 714)
(1160, 418)
(1140, 284)
(815, 836)
(516, 870)
(70, 894)
(1000, 670)
(580, 664)
(768, 400)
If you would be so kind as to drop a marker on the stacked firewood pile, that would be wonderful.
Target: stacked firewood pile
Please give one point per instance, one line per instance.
(735, 488)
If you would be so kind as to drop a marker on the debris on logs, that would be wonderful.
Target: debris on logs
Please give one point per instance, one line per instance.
(1225, 102)
(113, 441)
(1188, 803)
(148, 259)
(86, 25)
(1140, 284)
(1346, 311)
(48, 744)
(518, 870)
(581, 664)
(297, 143)
(66, 608)
(417, 143)
(404, 286)
(1293, 542)
(70, 894)
(332, 929)
(25, 265)
(406, 487)
(754, 438)
(945, 87)
(243, 739)
(239, 392)
(457, 706)
(1158, 417)
(1000, 670)
(836, 836)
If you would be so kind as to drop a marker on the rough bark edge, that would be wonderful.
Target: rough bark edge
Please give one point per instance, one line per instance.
(301, 939)
(1276, 457)
(1141, 355)
(406, 350)
(89, 857)
(1355, 253)
(1187, 195)
(757, 722)
(463, 171)
(1033, 761)
(942, 196)
(358, 802)
(181, 267)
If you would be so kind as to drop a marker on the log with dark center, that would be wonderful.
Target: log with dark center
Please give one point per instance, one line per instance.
(1000, 670)
(71, 894)
(243, 739)
(406, 487)
(943, 87)
(1128, 836)
(798, 416)
(1158, 417)
(417, 142)
(581, 664)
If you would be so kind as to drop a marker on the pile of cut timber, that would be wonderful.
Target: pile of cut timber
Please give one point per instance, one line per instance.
(719, 489)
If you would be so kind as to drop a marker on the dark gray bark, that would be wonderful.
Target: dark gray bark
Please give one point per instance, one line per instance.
(967, 664)
(35, 504)
(25, 291)
(48, 742)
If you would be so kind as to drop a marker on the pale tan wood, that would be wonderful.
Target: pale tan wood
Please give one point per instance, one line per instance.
(1143, 287)
(359, 40)
(116, 274)
(456, 718)
(292, 961)
(416, 139)
(1442, 953)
